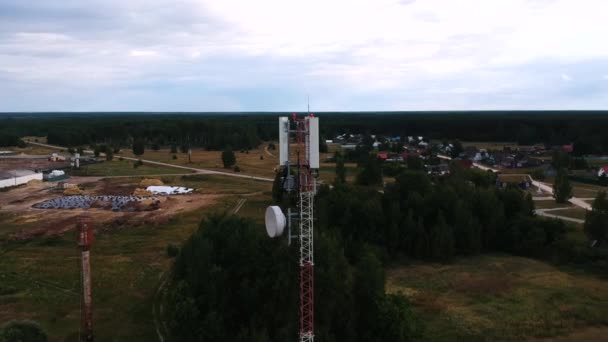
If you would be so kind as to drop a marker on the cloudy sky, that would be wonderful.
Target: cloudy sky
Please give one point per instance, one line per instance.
(267, 55)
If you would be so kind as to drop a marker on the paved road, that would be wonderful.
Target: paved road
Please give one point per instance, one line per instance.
(545, 213)
(197, 170)
(574, 200)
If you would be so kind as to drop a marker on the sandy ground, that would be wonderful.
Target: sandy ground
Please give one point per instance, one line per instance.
(57, 221)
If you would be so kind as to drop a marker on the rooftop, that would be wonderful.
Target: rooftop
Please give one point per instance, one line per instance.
(15, 173)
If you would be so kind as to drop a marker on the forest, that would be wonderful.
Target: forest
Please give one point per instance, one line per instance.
(231, 282)
(244, 130)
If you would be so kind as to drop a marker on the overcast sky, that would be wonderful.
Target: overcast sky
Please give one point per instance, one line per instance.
(267, 55)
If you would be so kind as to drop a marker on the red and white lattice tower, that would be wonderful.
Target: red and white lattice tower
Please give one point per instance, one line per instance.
(307, 188)
(305, 163)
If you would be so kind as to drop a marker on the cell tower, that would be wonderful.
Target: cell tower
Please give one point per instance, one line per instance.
(305, 163)
(85, 240)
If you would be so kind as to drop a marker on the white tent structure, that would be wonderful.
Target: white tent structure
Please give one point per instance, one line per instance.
(168, 190)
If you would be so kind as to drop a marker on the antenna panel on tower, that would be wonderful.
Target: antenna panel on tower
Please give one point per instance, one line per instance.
(283, 140)
(313, 143)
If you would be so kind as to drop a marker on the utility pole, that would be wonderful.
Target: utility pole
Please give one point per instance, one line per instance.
(85, 240)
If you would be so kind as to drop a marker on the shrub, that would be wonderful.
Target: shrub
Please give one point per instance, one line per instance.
(174, 157)
(237, 168)
(17, 331)
(172, 250)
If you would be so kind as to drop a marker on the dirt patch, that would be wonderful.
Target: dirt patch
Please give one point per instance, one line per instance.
(473, 285)
(150, 182)
(429, 302)
(48, 222)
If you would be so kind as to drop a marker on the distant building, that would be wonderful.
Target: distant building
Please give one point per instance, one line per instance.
(521, 181)
(18, 177)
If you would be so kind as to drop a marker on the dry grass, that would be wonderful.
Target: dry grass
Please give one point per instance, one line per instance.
(257, 162)
(500, 298)
(146, 182)
(73, 190)
(142, 192)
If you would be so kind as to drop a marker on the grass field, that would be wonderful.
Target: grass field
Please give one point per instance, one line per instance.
(256, 162)
(551, 204)
(40, 278)
(249, 163)
(573, 212)
(500, 298)
(125, 168)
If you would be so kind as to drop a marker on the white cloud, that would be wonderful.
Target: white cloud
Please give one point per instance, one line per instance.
(350, 51)
(142, 53)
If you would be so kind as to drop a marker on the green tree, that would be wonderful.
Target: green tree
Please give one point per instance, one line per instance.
(414, 162)
(340, 169)
(109, 154)
(457, 149)
(560, 160)
(396, 321)
(369, 286)
(562, 190)
(371, 173)
(96, 150)
(596, 222)
(228, 158)
(22, 331)
(138, 147)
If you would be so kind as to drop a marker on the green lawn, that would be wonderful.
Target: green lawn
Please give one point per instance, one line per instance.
(550, 204)
(573, 212)
(125, 168)
(39, 279)
(500, 298)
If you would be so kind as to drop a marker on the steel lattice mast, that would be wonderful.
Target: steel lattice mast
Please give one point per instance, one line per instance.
(307, 188)
(304, 183)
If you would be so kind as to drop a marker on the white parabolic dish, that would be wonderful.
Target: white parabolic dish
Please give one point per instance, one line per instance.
(275, 221)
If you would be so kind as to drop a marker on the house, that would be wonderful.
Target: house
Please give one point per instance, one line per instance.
(18, 177)
(56, 157)
(603, 171)
(383, 156)
(521, 181)
(464, 163)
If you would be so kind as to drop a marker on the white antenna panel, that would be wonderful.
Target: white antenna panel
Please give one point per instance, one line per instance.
(313, 143)
(283, 140)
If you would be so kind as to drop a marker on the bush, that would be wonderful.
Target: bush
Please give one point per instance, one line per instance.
(174, 157)
(538, 174)
(172, 250)
(237, 168)
(138, 163)
(22, 331)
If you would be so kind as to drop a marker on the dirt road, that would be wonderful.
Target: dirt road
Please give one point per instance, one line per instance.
(197, 170)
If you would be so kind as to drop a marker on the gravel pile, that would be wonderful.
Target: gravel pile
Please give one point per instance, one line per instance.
(115, 203)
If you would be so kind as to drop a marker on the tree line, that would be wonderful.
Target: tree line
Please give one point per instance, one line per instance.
(586, 129)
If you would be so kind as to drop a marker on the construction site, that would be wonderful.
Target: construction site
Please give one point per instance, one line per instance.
(134, 217)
